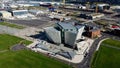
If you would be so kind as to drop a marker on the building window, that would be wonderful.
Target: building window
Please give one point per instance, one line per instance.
(71, 29)
(66, 29)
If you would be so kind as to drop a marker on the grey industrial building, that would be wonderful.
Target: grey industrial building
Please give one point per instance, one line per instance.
(65, 33)
(53, 34)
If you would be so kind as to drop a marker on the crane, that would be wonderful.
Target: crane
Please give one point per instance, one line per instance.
(96, 9)
(64, 1)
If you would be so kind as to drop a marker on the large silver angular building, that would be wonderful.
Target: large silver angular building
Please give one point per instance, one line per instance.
(65, 33)
(53, 34)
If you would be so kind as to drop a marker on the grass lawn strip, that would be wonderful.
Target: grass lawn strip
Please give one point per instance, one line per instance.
(28, 59)
(107, 56)
(111, 42)
(6, 41)
(24, 58)
(12, 25)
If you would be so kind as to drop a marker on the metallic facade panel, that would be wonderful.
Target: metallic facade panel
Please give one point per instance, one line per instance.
(53, 35)
(70, 38)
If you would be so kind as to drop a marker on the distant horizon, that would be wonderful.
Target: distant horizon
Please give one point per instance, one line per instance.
(105, 1)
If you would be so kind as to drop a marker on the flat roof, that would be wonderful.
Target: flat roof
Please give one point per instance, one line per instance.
(95, 14)
(94, 29)
(66, 25)
(102, 4)
(50, 28)
(79, 26)
(19, 10)
(4, 12)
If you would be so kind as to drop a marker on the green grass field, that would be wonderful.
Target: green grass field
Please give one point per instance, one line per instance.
(7, 40)
(24, 58)
(12, 25)
(107, 57)
(112, 42)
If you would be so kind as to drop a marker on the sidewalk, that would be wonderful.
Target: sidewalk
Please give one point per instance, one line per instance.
(77, 58)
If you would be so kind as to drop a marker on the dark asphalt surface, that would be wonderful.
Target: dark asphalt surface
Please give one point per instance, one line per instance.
(38, 23)
(86, 62)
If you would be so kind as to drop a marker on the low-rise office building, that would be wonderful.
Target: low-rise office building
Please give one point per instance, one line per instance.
(76, 7)
(22, 14)
(91, 16)
(4, 6)
(59, 16)
(116, 8)
(37, 12)
(96, 15)
(101, 7)
(94, 33)
(19, 12)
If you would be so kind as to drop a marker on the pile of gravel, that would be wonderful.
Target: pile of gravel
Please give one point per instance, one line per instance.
(18, 47)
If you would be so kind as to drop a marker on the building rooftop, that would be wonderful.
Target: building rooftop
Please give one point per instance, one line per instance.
(19, 10)
(95, 14)
(67, 26)
(4, 12)
(79, 26)
(51, 28)
(102, 4)
(94, 29)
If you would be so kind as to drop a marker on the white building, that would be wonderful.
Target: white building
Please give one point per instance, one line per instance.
(116, 8)
(25, 5)
(96, 15)
(5, 14)
(101, 6)
(21, 14)
(37, 12)
(82, 7)
(59, 16)
(40, 2)
(13, 6)
(4, 6)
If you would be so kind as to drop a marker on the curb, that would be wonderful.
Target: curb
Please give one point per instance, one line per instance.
(98, 46)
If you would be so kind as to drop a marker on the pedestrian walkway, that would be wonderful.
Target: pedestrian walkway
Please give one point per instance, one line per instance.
(100, 41)
(52, 48)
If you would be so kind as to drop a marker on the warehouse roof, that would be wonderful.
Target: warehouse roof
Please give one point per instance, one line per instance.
(4, 12)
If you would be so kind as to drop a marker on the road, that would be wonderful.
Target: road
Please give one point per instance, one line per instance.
(87, 60)
(89, 10)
